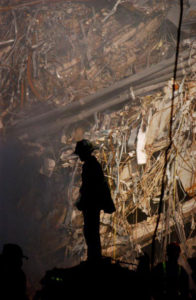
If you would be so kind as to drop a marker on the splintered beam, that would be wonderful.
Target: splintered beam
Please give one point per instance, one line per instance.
(143, 231)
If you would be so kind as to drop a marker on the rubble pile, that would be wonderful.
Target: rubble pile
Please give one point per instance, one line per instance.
(132, 144)
(103, 71)
(64, 52)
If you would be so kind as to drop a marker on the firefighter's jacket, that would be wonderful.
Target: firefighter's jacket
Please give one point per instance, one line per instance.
(94, 191)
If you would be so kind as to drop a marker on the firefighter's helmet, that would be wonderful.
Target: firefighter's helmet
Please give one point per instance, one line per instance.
(84, 146)
(13, 250)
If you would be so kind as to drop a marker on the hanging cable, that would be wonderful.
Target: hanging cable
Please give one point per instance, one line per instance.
(169, 134)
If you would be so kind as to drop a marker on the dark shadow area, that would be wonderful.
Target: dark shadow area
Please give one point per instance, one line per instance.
(169, 279)
(12, 277)
(192, 263)
(107, 279)
(138, 216)
(88, 280)
(100, 278)
(27, 199)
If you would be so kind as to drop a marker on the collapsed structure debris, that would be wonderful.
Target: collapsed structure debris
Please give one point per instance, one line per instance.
(102, 71)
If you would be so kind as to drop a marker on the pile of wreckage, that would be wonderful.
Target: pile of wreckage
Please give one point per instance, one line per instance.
(103, 70)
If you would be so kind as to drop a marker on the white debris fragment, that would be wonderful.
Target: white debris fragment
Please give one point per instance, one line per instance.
(66, 154)
(132, 138)
(140, 149)
(1, 124)
(193, 223)
(131, 154)
(64, 139)
(48, 167)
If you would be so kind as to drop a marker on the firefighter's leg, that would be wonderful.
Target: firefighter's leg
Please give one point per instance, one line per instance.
(91, 233)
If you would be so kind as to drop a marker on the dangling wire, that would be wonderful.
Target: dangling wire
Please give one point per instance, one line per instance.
(170, 133)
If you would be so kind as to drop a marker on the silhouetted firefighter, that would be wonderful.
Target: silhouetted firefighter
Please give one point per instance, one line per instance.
(94, 196)
(12, 277)
(169, 279)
